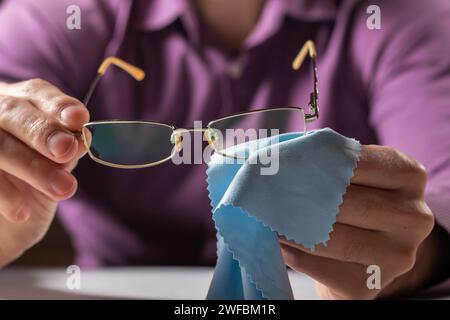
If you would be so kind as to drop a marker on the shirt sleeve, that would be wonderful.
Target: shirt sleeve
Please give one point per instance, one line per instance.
(35, 42)
(406, 66)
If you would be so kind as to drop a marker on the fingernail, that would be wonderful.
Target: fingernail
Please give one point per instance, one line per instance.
(60, 143)
(68, 113)
(61, 182)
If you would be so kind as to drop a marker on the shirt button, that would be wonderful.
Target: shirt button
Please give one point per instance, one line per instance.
(235, 70)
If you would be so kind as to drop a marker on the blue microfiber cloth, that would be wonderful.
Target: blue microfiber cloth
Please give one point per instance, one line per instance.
(250, 209)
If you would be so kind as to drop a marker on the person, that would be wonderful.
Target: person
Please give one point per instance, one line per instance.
(389, 87)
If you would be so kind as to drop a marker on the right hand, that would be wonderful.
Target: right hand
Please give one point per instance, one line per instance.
(38, 151)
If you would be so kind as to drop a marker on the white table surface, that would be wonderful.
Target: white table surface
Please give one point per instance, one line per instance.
(122, 283)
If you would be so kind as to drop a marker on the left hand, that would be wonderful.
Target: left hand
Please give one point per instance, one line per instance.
(382, 221)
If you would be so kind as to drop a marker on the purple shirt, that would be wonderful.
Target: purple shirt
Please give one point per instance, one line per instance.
(388, 87)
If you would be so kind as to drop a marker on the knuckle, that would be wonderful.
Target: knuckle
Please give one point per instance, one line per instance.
(405, 260)
(429, 221)
(418, 173)
(426, 223)
(423, 215)
(418, 218)
(8, 104)
(39, 129)
(33, 85)
(407, 169)
(412, 171)
(59, 102)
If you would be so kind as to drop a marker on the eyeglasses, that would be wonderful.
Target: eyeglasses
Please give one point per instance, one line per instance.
(138, 144)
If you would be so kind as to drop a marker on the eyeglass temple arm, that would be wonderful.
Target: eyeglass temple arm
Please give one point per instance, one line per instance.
(309, 48)
(139, 75)
(133, 71)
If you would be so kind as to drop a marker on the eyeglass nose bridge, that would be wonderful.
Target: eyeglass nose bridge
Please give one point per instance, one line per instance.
(176, 138)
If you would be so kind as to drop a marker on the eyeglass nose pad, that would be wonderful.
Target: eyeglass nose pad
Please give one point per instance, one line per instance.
(177, 139)
(211, 136)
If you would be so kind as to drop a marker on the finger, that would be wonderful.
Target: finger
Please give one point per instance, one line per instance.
(11, 203)
(82, 151)
(346, 279)
(27, 165)
(382, 210)
(370, 208)
(39, 131)
(351, 244)
(52, 101)
(386, 168)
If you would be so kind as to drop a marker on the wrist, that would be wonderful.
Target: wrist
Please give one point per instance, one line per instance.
(7, 255)
(432, 266)
(433, 261)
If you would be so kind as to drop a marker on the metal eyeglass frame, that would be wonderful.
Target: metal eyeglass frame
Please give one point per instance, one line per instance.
(138, 74)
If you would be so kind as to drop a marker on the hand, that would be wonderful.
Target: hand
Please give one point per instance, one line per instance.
(382, 221)
(38, 150)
